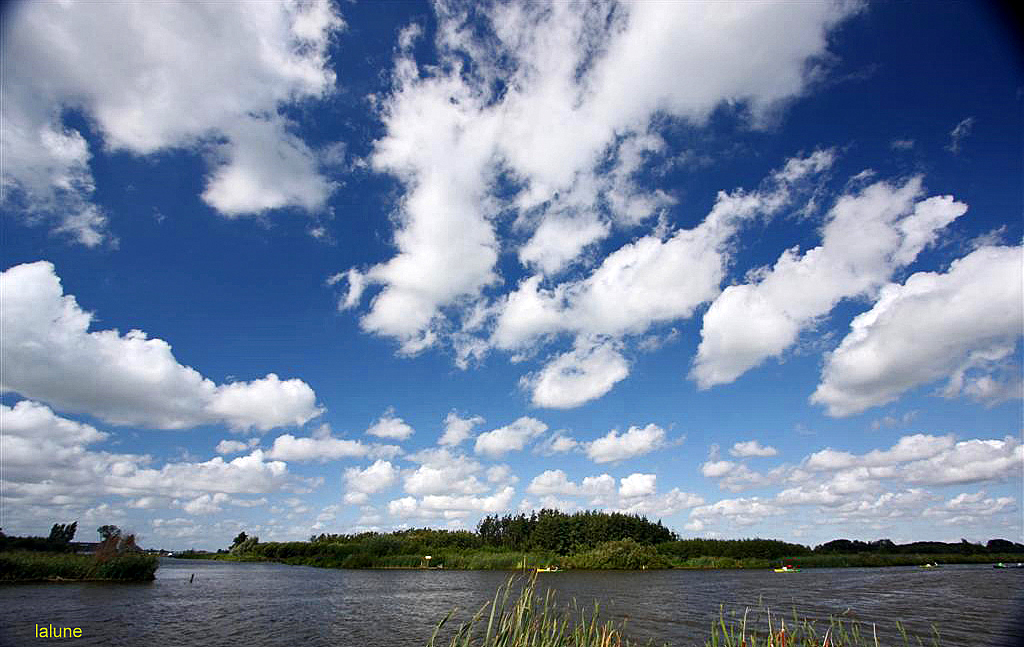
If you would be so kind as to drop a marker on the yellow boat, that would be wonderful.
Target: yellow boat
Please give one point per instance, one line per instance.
(787, 569)
(548, 569)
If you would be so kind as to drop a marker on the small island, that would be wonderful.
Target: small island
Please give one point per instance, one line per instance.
(115, 558)
(551, 540)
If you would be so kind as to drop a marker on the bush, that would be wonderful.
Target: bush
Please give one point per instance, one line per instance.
(624, 554)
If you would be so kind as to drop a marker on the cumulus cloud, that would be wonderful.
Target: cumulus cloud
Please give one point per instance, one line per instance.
(752, 448)
(637, 484)
(457, 429)
(51, 466)
(442, 472)
(654, 279)
(635, 441)
(635, 494)
(557, 443)
(742, 511)
(867, 236)
(552, 482)
(362, 482)
(912, 336)
(125, 69)
(226, 447)
(450, 506)
(322, 446)
(390, 426)
(559, 147)
(50, 355)
(583, 374)
(513, 437)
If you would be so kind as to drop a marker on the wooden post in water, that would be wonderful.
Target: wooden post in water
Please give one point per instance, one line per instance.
(191, 578)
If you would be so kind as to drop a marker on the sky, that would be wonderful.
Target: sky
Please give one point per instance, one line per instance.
(750, 269)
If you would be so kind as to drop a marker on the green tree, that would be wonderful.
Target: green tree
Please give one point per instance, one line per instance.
(107, 531)
(63, 533)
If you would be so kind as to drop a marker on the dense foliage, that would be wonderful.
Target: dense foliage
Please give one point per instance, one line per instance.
(59, 540)
(600, 540)
(117, 557)
(564, 533)
(35, 565)
(734, 548)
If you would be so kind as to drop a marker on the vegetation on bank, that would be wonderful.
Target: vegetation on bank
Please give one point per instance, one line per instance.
(591, 540)
(53, 558)
(531, 620)
(24, 565)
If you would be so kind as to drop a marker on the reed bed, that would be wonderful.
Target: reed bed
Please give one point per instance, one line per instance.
(530, 620)
(33, 566)
(773, 631)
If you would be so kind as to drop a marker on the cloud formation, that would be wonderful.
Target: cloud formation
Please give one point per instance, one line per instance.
(961, 325)
(127, 70)
(49, 354)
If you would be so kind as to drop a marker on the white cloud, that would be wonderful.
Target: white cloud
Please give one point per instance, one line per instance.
(552, 482)
(716, 469)
(226, 447)
(743, 512)
(390, 426)
(322, 446)
(205, 503)
(752, 448)
(636, 441)
(913, 337)
(361, 482)
(457, 428)
(867, 237)
(442, 472)
(636, 485)
(511, 437)
(49, 467)
(654, 279)
(50, 355)
(971, 461)
(157, 76)
(264, 403)
(585, 373)
(561, 116)
(450, 506)
(557, 443)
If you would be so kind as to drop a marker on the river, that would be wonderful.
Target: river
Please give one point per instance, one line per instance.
(274, 605)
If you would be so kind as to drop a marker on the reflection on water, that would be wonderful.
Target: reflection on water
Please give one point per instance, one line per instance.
(275, 605)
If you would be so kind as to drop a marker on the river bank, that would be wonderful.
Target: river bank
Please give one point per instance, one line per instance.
(35, 566)
(508, 561)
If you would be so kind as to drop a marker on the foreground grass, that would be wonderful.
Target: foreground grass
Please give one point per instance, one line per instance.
(531, 620)
(766, 630)
(18, 566)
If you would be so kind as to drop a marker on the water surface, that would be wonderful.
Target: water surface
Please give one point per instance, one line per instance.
(275, 605)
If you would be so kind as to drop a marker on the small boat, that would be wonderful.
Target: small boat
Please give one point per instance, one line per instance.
(930, 565)
(548, 569)
(787, 569)
(1002, 565)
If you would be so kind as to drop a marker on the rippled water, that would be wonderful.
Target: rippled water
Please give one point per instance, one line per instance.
(275, 605)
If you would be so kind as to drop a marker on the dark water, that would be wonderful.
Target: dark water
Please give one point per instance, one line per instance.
(275, 605)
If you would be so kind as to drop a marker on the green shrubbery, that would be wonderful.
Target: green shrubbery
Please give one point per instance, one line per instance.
(624, 554)
(35, 565)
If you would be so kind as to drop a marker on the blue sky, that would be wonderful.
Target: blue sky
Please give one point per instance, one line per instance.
(751, 269)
